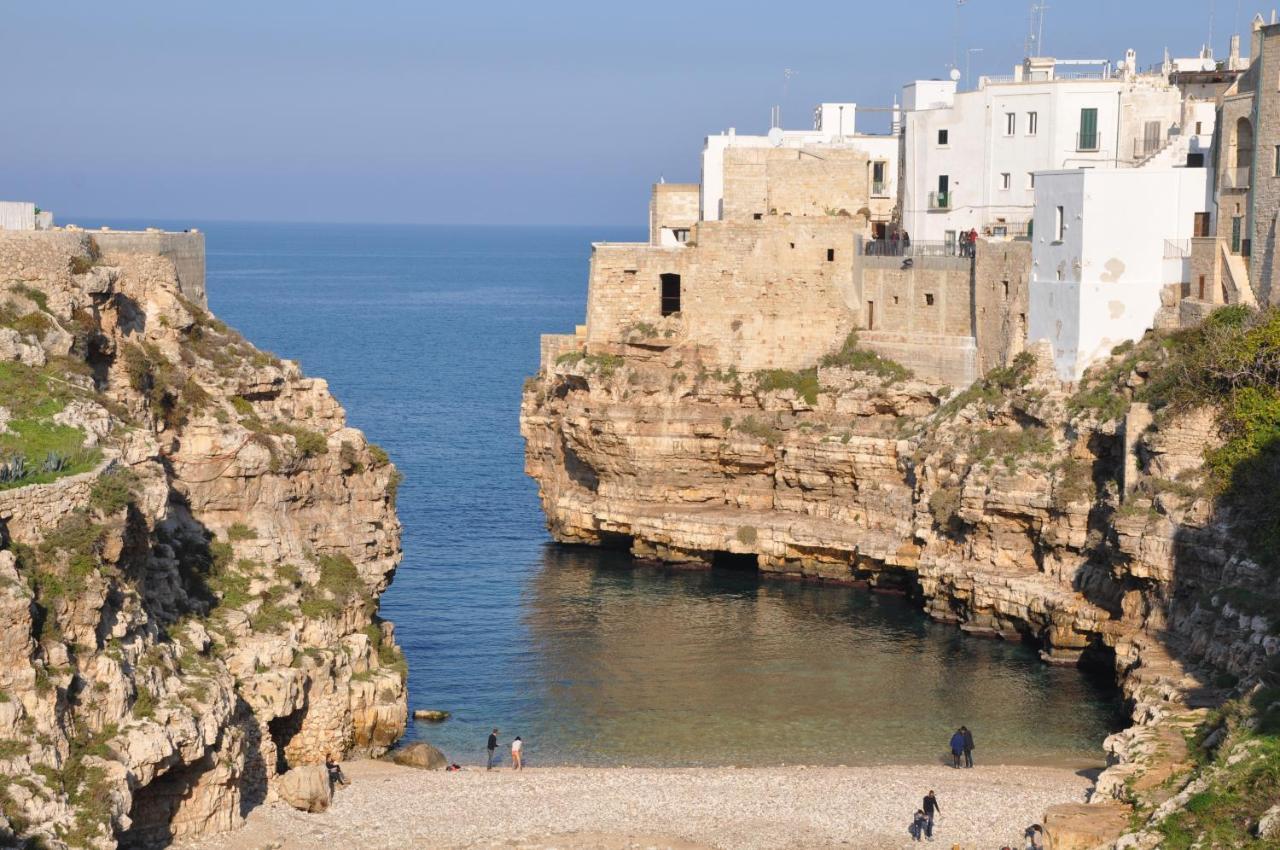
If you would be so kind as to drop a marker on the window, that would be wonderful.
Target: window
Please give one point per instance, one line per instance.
(1033, 123)
(879, 185)
(1006, 288)
(1005, 179)
(928, 299)
(681, 234)
(1031, 179)
(1059, 223)
(942, 136)
(1198, 133)
(757, 216)
(1087, 140)
(670, 294)
(1010, 123)
(1275, 162)
(831, 255)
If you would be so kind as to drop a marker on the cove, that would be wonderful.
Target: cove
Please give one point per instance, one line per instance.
(425, 334)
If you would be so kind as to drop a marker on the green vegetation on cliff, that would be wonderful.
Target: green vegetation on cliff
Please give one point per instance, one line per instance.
(34, 448)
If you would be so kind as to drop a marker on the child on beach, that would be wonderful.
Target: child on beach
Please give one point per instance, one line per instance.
(517, 748)
(917, 825)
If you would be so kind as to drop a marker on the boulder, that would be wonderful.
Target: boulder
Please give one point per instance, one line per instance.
(306, 788)
(419, 754)
(431, 715)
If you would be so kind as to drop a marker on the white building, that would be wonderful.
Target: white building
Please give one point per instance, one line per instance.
(971, 157)
(24, 215)
(834, 125)
(1106, 242)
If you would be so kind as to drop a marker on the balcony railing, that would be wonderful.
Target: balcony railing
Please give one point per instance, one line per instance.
(939, 200)
(880, 188)
(1087, 141)
(899, 248)
(1177, 249)
(1238, 178)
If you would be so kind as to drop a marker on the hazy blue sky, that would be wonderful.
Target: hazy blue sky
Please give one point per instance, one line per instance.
(471, 111)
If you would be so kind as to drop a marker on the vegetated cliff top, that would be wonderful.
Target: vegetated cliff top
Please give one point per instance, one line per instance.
(192, 546)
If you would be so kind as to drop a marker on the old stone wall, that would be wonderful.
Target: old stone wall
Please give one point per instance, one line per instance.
(795, 181)
(774, 293)
(1002, 271)
(672, 206)
(929, 296)
(185, 250)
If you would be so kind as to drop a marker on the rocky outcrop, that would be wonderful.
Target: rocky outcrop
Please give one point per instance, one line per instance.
(190, 565)
(1018, 508)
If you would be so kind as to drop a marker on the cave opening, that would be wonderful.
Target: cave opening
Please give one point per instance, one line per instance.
(735, 562)
(157, 803)
(282, 731)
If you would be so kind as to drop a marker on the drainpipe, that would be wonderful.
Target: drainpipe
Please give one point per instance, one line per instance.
(1119, 109)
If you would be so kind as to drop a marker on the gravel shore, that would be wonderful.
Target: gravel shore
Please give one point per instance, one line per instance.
(387, 806)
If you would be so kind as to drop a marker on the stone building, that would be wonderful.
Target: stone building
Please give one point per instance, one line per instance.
(1236, 258)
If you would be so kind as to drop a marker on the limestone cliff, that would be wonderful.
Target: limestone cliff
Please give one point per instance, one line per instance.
(192, 547)
(1018, 508)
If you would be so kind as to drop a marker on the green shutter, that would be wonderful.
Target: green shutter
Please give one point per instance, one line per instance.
(1088, 129)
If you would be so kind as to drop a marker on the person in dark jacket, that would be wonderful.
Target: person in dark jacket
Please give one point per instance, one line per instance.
(917, 825)
(957, 748)
(931, 808)
(492, 748)
(968, 746)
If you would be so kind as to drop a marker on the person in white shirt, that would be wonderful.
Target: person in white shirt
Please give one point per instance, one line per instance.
(517, 747)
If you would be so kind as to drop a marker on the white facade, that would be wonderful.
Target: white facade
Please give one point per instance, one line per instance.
(1106, 242)
(970, 156)
(834, 126)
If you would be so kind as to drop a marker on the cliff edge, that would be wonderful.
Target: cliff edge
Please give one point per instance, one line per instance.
(1126, 521)
(192, 547)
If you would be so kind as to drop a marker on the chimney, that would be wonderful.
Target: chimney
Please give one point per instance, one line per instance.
(1233, 58)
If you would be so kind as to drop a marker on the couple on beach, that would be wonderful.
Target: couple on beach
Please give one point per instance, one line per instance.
(517, 751)
(962, 744)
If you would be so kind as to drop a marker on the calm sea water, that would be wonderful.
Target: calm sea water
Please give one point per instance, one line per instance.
(425, 335)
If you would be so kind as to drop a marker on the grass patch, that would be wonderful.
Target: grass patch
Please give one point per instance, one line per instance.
(803, 382)
(753, 427)
(850, 356)
(114, 489)
(36, 449)
(239, 531)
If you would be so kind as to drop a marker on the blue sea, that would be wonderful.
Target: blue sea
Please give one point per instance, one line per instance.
(425, 335)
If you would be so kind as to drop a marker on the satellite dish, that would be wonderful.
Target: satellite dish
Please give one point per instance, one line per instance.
(775, 136)
(955, 75)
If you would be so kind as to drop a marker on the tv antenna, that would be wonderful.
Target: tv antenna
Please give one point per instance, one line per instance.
(1035, 33)
(775, 119)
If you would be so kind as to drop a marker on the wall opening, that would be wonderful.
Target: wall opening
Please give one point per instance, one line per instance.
(871, 315)
(670, 294)
(283, 730)
(831, 255)
(738, 562)
(928, 299)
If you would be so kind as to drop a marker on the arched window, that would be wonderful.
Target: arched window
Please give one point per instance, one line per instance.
(1244, 143)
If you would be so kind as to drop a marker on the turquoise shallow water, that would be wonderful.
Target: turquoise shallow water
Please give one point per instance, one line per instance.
(425, 334)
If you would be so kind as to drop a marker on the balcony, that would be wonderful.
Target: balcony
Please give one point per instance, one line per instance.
(1177, 249)
(939, 201)
(1086, 142)
(1237, 178)
(879, 188)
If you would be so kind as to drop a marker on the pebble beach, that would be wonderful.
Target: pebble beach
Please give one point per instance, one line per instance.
(388, 806)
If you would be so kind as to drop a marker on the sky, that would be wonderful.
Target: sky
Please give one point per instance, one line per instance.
(476, 111)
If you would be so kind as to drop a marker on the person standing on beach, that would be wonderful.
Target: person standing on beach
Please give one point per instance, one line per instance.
(517, 748)
(968, 746)
(931, 808)
(957, 747)
(493, 748)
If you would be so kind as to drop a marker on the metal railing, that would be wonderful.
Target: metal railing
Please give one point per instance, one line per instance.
(1087, 141)
(1007, 229)
(939, 200)
(1177, 249)
(911, 248)
(880, 188)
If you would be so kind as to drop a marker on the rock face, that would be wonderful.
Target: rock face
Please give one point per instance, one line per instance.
(1018, 508)
(189, 594)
